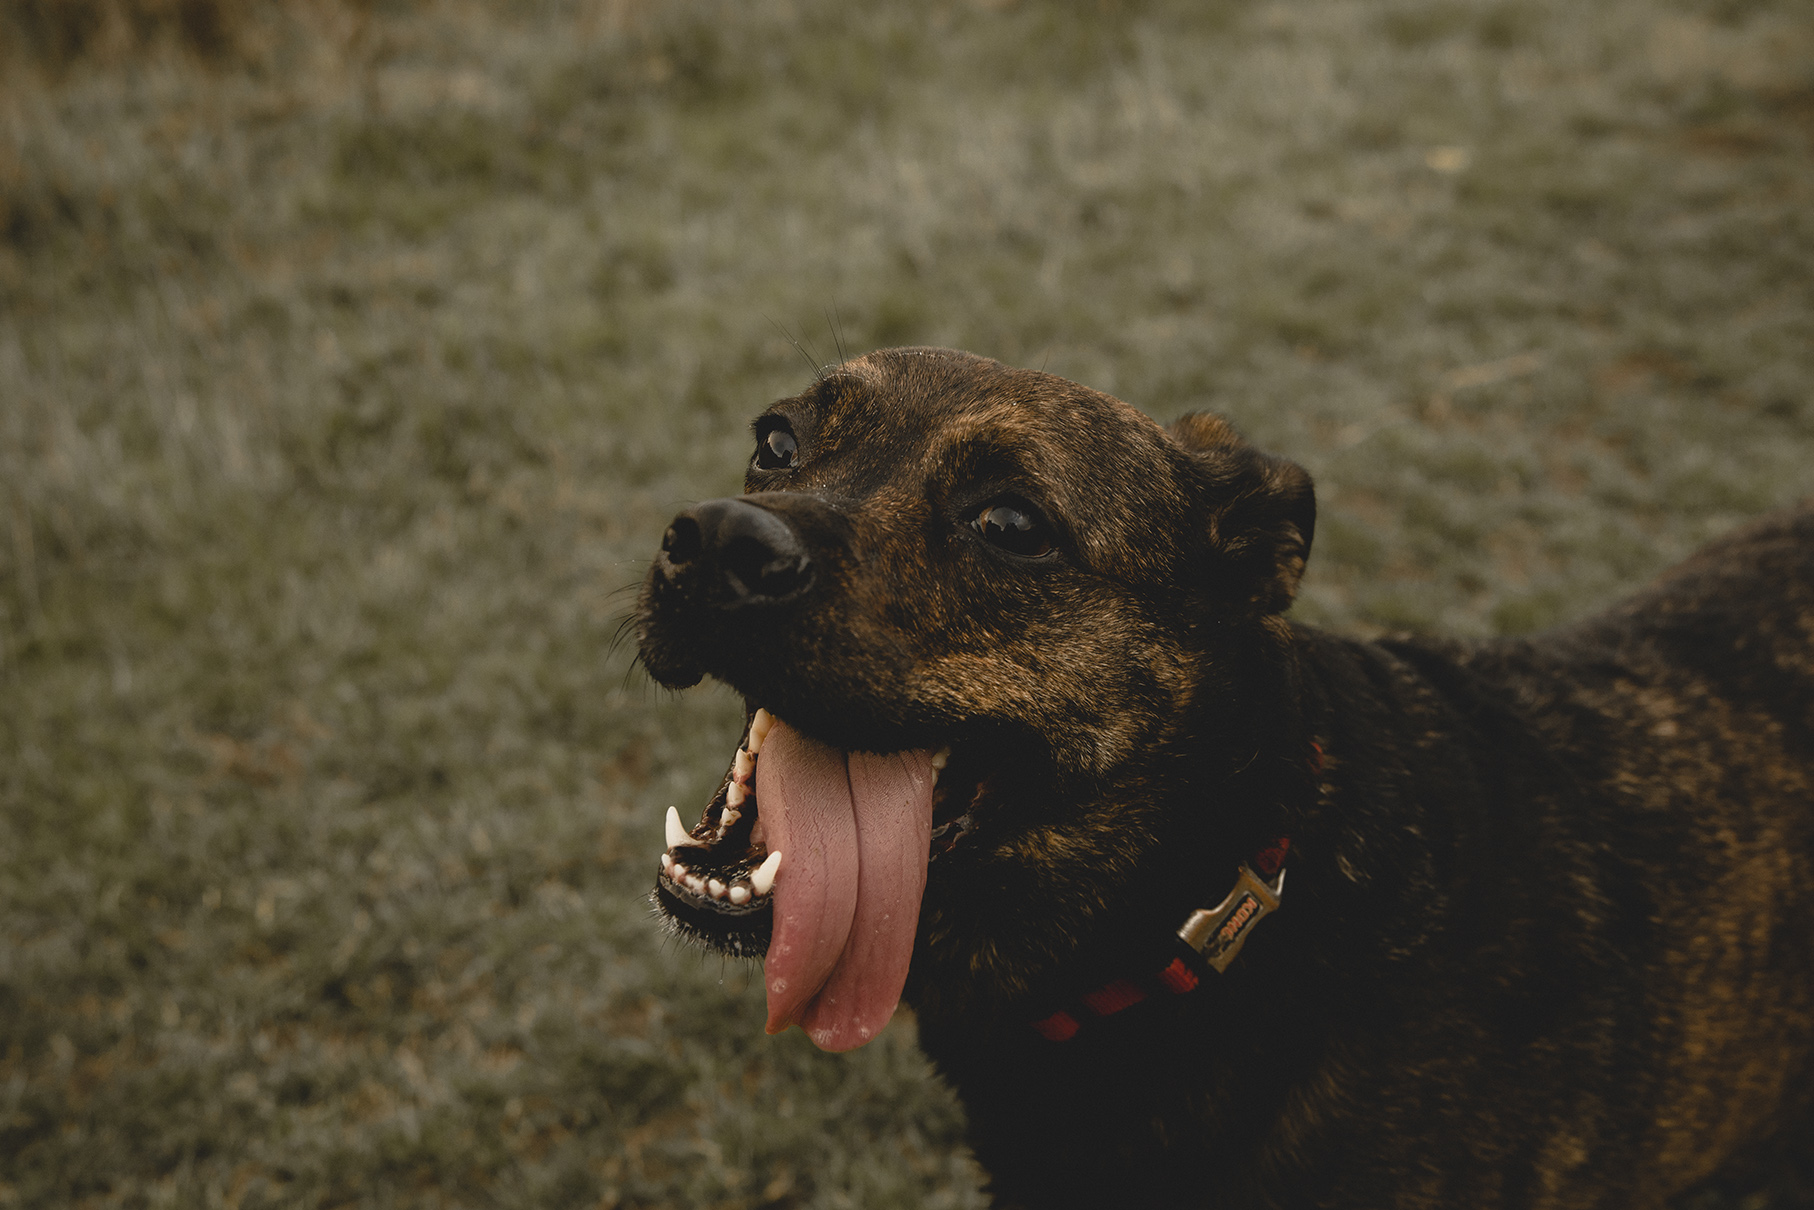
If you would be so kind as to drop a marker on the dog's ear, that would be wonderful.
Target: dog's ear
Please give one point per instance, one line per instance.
(1258, 512)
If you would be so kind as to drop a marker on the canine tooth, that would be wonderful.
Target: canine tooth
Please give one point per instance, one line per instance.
(677, 835)
(734, 794)
(740, 895)
(763, 877)
(743, 766)
(715, 888)
(939, 758)
(759, 730)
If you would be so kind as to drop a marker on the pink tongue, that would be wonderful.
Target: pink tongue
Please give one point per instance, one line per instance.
(854, 833)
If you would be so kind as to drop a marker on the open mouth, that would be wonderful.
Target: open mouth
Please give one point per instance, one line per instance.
(717, 879)
(816, 859)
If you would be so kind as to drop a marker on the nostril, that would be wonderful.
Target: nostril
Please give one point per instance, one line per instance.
(682, 542)
(763, 570)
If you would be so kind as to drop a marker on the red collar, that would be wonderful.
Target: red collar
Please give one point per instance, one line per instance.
(1210, 937)
(1208, 940)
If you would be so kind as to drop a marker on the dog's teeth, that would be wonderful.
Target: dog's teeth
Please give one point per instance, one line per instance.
(939, 758)
(740, 895)
(733, 795)
(666, 861)
(677, 872)
(759, 730)
(677, 835)
(714, 888)
(763, 878)
(743, 765)
(695, 884)
(727, 819)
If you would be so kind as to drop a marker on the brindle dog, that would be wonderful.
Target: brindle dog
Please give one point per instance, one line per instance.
(1548, 938)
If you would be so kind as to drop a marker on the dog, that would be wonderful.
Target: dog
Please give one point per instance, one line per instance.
(1032, 746)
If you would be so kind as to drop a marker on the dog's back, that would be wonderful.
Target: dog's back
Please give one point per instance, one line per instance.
(1633, 885)
(1690, 708)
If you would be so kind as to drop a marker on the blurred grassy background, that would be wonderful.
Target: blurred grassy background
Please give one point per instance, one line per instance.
(352, 358)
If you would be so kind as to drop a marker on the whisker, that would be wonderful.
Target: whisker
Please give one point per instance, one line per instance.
(625, 630)
(833, 322)
(811, 362)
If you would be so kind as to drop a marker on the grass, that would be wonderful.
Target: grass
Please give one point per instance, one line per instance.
(352, 361)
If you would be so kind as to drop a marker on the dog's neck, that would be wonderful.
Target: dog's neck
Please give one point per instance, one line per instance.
(1370, 850)
(1242, 770)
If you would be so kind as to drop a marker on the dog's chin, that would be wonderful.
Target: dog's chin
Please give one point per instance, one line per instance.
(716, 881)
(673, 665)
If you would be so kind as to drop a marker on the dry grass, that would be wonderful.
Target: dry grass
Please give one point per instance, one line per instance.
(52, 36)
(346, 372)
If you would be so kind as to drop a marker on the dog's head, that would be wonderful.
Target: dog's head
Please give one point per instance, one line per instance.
(1005, 623)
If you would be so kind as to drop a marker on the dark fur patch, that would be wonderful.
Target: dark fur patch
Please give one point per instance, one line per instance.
(1549, 933)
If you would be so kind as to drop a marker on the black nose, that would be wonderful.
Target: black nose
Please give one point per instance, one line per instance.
(748, 553)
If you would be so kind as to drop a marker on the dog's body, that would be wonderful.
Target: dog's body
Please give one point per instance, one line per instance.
(1548, 938)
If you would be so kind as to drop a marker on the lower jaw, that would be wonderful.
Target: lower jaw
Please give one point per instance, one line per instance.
(724, 903)
(740, 934)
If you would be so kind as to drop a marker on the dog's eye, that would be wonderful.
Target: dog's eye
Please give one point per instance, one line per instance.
(1014, 527)
(775, 449)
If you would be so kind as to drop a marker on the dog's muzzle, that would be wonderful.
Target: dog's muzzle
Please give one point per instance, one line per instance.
(730, 576)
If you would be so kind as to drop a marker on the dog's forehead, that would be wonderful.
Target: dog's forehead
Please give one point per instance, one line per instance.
(922, 407)
(961, 392)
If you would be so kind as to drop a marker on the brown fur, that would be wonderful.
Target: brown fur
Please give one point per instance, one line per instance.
(1548, 938)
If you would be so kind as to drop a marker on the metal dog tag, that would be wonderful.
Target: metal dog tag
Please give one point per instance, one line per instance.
(1219, 932)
